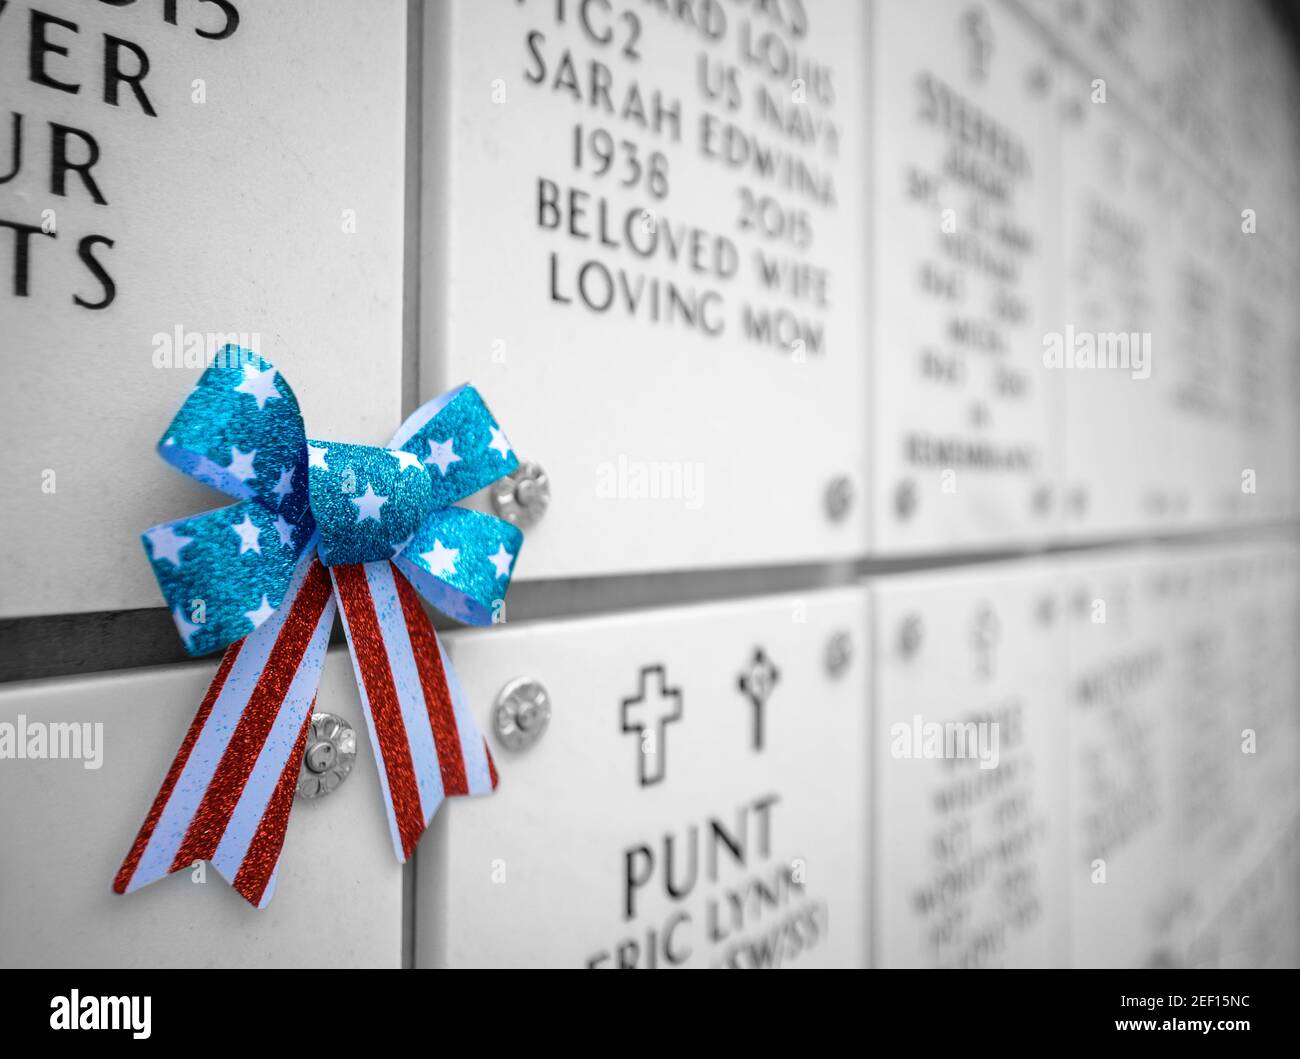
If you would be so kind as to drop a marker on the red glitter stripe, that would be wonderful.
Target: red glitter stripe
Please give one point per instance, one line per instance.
(255, 723)
(492, 765)
(371, 658)
(437, 695)
(124, 874)
(263, 854)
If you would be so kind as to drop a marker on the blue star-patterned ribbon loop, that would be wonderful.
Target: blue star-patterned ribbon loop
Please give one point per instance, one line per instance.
(240, 431)
(472, 588)
(223, 573)
(459, 442)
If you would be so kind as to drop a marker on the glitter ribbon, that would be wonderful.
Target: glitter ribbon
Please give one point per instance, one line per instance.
(318, 526)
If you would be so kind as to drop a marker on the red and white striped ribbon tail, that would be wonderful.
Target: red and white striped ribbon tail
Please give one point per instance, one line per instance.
(421, 727)
(227, 796)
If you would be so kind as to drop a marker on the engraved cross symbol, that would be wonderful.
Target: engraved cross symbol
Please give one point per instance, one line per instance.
(648, 714)
(979, 39)
(756, 684)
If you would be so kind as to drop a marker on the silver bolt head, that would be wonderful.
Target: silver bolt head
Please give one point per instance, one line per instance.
(839, 653)
(328, 757)
(839, 497)
(905, 499)
(1041, 500)
(910, 635)
(522, 498)
(522, 713)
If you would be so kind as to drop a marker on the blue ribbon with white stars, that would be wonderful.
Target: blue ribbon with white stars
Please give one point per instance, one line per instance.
(319, 527)
(225, 572)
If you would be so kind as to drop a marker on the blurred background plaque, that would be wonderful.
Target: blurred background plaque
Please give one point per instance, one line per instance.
(1131, 902)
(969, 752)
(963, 231)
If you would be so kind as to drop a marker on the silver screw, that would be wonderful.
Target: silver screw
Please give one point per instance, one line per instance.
(905, 498)
(839, 497)
(522, 498)
(327, 759)
(910, 635)
(839, 653)
(1042, 500)
(522, 713)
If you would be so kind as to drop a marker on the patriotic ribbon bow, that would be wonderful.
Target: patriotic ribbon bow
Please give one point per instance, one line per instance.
(317, 522)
